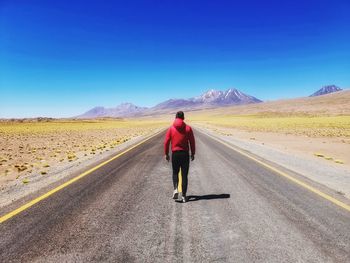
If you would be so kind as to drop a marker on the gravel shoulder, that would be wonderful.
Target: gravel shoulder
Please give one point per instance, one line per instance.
(332, 175)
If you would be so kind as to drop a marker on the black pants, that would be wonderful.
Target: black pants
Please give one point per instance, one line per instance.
(180, 159)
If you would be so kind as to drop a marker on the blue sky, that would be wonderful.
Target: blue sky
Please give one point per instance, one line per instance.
(60, 58)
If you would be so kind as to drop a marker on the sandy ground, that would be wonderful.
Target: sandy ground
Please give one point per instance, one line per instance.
(334, 151)
(324, 160)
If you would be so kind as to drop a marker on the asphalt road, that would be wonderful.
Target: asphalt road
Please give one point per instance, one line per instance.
(238, 211)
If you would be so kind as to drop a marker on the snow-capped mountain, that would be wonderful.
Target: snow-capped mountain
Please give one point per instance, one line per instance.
(326, 90)
(210, 96)
(228, 97)
(174, 104)
(122, 110)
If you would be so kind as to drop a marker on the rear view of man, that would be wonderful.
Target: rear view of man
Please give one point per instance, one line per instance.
(181, 137)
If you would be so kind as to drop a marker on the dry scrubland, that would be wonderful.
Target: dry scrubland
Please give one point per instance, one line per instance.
(323, 137)
(35, 147)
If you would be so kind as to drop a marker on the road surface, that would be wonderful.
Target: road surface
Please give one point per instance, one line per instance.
(238, 211)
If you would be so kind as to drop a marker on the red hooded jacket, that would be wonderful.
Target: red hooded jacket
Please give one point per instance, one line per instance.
(180, 135)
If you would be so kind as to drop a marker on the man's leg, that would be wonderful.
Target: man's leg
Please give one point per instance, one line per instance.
(185, 163)
(176, 168)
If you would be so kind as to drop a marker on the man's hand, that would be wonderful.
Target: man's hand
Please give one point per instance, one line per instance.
(167, 157)
(192, 157)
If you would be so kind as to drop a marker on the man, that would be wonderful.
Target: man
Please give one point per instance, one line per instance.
(181, 136)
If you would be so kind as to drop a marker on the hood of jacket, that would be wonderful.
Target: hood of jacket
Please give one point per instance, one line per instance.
(179, 124)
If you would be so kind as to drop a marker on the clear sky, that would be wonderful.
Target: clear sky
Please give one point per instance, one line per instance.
(61, 58)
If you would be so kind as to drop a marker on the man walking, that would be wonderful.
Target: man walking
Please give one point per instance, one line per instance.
(181, 136)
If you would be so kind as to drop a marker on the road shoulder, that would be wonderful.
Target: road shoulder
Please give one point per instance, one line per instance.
(335, 178)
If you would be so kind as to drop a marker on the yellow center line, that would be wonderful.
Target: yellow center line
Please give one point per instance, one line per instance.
(291, 178)
(179, 184)
(60, 187)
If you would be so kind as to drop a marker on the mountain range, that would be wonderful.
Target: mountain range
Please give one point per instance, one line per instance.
(122, 110)
(210, 99)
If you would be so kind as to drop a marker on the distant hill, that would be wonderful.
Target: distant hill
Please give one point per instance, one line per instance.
(337, 103)
(122, 110)
(326, 90)
(209, 99)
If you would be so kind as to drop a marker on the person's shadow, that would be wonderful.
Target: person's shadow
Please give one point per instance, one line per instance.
(192, 198)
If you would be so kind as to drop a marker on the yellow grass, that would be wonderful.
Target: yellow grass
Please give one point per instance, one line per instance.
(313, 126)
(21, 128)
(33, 144)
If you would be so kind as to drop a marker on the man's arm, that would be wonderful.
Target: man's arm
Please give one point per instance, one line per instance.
(192, 143)
(167, 143)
